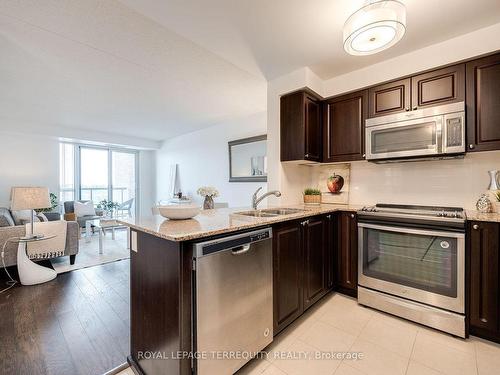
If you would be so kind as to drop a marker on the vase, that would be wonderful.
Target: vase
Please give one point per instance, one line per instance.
(208, 203)
(493, 180)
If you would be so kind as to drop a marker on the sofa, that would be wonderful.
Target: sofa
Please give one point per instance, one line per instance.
(9, 228)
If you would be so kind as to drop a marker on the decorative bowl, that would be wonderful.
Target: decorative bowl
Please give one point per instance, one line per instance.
(179, 211)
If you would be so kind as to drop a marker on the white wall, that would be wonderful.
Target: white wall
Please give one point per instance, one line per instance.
(202, 159)
(27, 160)
(33, 160)
(453, 182)
(147, 181)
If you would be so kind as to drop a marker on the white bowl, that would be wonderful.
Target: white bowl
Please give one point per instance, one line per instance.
(179, 211)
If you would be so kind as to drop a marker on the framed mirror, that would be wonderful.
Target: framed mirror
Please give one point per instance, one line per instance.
(248, 159)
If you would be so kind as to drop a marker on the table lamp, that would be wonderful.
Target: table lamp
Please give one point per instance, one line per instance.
(29, 198)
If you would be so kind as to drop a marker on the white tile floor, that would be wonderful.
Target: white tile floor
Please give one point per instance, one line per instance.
(389, 346)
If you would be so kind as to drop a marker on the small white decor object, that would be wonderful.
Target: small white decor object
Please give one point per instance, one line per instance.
(179, 211)
(375, 27)
(484, 204)
(209, 192)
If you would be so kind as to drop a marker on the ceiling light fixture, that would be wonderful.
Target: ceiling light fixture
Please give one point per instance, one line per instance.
(375, 27)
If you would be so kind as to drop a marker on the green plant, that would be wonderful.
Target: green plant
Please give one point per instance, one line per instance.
(53, 204)
(311, 191)
(107, 205)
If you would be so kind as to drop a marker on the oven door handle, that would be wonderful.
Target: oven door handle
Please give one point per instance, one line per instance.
(424, 232)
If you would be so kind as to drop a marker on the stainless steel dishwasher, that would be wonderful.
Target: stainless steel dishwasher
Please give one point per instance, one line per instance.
(233, 304)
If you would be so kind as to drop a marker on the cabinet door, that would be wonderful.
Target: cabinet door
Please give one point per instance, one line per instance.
(344, 127)
(483, 104)
(292, 126)
(347, 257)
(315, 260)
(392, 97)
(287, 274)
(312, 129)
(438, 87)
(330, 251)
(484, 278)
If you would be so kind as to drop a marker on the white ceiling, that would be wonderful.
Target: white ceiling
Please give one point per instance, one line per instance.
(273, 37)
(154, 69)
(98, 65)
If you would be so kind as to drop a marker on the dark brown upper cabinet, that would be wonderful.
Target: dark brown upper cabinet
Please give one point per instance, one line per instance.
(300, 127)
(389, 98)
(483, 104)
(441, 86)
(484, 309)
(343, 130)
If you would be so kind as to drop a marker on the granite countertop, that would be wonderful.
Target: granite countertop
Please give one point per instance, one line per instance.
(221, 220)
(481, 216)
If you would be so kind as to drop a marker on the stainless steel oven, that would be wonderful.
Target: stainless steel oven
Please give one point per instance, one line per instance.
(412, 263)
(429, 132)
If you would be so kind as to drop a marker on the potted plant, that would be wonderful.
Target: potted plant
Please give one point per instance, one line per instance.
(496, 202)
(312, 196)
(108, 207)
(209, 192)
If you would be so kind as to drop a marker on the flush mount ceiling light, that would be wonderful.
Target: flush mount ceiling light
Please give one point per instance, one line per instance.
(375, 27)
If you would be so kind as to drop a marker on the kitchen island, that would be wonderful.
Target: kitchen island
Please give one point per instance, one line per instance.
(161, 276)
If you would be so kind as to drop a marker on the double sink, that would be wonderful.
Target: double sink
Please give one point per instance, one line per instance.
(271, 212)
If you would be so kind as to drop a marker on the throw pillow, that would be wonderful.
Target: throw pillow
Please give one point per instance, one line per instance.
(6, 217)
(4, 222)
(84, 209)
(22, 217)
(41, 216)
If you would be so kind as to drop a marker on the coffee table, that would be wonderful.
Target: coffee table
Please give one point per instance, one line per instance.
(101, 225)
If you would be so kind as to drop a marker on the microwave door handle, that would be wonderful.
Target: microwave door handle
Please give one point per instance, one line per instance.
(439, 135)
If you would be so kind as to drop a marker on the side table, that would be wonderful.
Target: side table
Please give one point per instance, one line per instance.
(31, 273)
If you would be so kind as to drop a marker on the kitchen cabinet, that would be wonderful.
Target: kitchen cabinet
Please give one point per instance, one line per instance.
(347, 253)
(301, 265)
(316, 262)
(300, 127)
(484, 279)
(343, 131)
(438, 87)
(287, 274)
(483, 104)
(389, 98)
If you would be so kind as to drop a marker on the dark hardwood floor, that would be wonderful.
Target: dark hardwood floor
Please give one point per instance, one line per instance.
(76, 324)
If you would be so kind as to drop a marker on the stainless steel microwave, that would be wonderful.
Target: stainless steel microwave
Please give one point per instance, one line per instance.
(429, 132)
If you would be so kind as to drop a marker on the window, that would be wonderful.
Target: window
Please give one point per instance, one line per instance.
(98, 173)
(66, 172)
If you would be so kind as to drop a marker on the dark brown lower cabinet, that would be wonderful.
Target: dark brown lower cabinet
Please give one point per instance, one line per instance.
(287, 274)
(302, 262)
(484, 279)
(347, 253)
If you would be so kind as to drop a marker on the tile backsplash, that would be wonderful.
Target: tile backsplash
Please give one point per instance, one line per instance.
(455, 182)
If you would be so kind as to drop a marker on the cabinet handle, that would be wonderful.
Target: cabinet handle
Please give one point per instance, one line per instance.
(415, 108)
(475, 226)
(364, 156)
(352, 216)
(407, 109)
(307, 155)
(471, 146)
(329, 217)
(305, 222)
(484, 320)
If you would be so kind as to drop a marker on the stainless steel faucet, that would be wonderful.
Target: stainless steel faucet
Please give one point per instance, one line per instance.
(256, 201)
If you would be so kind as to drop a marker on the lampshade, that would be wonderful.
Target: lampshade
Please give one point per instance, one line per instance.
(29, 198)
(375, 27)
